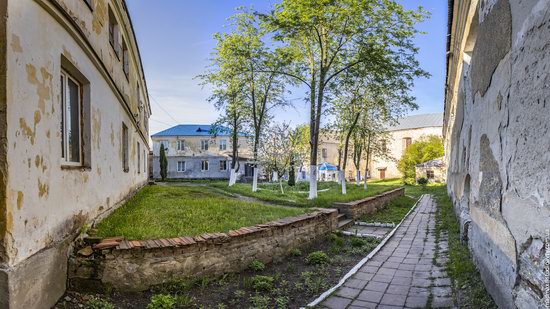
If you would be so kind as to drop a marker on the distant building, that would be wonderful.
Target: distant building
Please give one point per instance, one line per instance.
(73, 134)
(407, 131)
(433, 170)
(197, 152)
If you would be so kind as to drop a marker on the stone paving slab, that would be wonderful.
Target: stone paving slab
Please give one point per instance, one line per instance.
(403, 273)
(377, 231)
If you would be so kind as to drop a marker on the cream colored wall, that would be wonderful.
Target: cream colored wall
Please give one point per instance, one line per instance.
(395, 148)
(45, 202)
(193, 146)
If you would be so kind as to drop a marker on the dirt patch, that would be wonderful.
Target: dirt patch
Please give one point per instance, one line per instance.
(289, 283)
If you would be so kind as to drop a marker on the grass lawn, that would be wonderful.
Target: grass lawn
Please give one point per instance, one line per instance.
(329, 192)
(172, 211)
(394, 211)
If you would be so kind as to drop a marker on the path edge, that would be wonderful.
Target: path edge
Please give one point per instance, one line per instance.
(356, 268)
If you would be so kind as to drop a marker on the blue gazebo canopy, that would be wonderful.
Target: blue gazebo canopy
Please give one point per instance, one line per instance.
(327, 167)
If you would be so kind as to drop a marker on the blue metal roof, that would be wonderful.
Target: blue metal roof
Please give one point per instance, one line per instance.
(196, 130)
(327, 167)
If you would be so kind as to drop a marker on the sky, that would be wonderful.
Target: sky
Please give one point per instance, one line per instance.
(175, 42)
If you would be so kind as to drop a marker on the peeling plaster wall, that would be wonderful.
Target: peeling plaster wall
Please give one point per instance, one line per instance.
(497, 146)
(45, 201)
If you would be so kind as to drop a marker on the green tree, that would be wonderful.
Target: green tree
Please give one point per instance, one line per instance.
(329, 38)
(425, 149)
(163, 163)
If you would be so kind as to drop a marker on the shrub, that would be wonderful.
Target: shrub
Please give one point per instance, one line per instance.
(163, 163)
(262, 283)
(256, 265)
(317, 258)
(426, 148)
(99, 304)
(422, 181)
(357, 242)
(162, 301)
(260, 302)
(282, 302)
(295, 252)
(336, 239)
(314, 283)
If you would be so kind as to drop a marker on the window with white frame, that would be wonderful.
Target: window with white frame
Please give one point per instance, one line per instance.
(71, 133)
(223, 144)
(180, 145)
(223, 165)
(204, 165)
(114, 33)
(164, 144)
(181, 166)
(204, 144)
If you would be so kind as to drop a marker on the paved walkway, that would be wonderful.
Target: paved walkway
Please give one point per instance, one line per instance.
(406, 273)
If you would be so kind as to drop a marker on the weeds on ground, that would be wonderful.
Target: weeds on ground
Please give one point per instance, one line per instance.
(465, 277)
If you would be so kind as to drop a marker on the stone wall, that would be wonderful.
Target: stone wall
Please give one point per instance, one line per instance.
(137, 265)
(497, 142)
(357, 209)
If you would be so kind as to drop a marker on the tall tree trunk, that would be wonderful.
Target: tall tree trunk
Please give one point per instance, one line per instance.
(339, 180)
(367, 162)
(235, 142)
(312, 142)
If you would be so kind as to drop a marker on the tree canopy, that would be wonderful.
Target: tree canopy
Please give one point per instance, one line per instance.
(425, 149)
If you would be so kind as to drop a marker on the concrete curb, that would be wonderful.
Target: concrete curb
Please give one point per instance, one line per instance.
(356, 268)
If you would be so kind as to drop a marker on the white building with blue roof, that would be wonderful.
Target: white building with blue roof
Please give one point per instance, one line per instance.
(200, 151)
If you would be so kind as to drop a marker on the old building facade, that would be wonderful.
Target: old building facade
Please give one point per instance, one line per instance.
(200, 152)
(74, 116)
(497, 142)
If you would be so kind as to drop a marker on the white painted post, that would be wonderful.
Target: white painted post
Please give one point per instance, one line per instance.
(343, 178)
(255, 179)
(312, 182)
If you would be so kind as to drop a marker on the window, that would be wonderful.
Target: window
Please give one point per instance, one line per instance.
(324, 153)
(204, 165)
(181, 145)
(126, 62)
(181, 166)
(144, 162)
(223, 165)
(384, 145)
(204, 144)
(113, 33)
(125, 145)
(71, 135)
(430, 174)
(164, 144)
(139, 158)
(406, 143)
(223, 144)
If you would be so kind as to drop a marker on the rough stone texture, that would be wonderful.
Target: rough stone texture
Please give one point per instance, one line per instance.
(137, 265)
(497, 145)
(3, 136)
(357, 209)
(402, 273)
(493, 42)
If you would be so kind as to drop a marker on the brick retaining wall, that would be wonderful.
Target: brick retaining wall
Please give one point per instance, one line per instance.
(356, 209)
(137, 265)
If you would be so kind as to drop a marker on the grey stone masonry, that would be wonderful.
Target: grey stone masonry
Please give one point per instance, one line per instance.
(404, 273)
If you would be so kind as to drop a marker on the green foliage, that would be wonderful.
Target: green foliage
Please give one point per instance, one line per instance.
(295, 252)
(317, 258)
(162, 301)
(336, 239)
(291, 174)
(173, 211)
(256, 265)
(99, 303)
(357, 242)
(282, 302)
(260, 302)
(262, 283)
(425, 149)
(422, 181)
(314, 283)
(163, 163)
